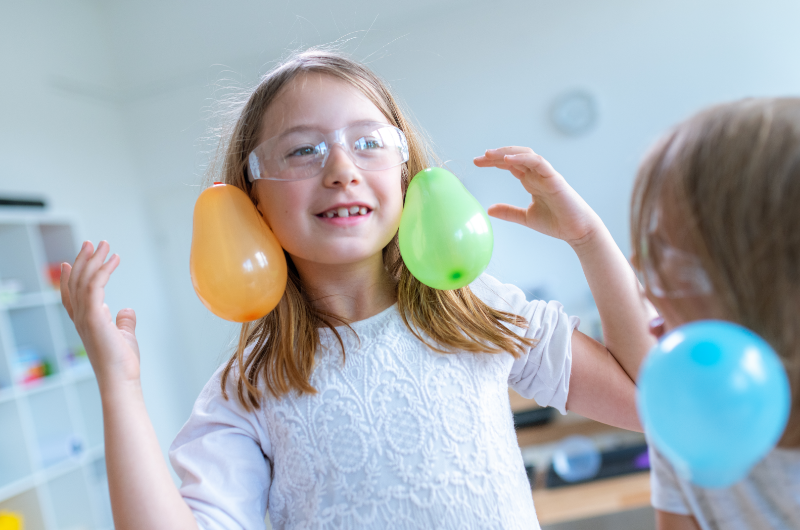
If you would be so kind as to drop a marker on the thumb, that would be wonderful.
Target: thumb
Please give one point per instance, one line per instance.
(126, 320)
(506, 212)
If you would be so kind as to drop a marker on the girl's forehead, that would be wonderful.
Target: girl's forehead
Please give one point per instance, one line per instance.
(318, 101)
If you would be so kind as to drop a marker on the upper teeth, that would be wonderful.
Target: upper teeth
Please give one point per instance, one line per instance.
(346, 212)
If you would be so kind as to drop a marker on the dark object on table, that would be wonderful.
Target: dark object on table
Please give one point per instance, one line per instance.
(622, 461)
(533, 417)
(25, 203)
(531, 472)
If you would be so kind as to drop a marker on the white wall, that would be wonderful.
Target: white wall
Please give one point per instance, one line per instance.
(475, 75)
(72, 150)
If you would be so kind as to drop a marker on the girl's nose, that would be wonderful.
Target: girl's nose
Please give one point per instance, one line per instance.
(339, 170)
(657, 327)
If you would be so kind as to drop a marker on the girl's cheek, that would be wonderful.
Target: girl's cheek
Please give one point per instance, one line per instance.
(274, 206)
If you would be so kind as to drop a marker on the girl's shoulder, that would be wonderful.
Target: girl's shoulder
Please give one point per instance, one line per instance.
(212, 395)
(498, 295)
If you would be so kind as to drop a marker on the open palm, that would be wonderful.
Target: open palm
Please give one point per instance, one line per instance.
(111, 346)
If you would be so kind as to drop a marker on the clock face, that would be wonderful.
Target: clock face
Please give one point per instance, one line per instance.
(574, 113)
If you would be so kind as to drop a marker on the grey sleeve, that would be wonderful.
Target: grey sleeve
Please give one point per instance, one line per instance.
(665, 488)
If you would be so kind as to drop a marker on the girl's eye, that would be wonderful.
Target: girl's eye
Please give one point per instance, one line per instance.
(365, 144)
(306, 150)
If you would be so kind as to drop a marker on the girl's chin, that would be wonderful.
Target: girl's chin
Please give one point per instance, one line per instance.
(341, 256)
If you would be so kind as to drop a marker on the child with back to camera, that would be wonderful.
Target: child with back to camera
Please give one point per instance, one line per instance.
(365, 399)
(716, 225)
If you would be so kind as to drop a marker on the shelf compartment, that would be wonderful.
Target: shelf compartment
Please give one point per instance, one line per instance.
(56, 436)
(98, 489)
(72, 506)
(5, 374)
(17, 263)
(26, 504)
(14, 458)
(58, 242)
(73, 353)
(91, 410)
(31, 336)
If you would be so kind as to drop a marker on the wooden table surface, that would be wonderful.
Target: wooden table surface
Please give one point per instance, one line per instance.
(580, 501)
(600, 497)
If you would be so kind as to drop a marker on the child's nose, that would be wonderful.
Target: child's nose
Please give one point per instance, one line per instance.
(339, 169)
(657, 327)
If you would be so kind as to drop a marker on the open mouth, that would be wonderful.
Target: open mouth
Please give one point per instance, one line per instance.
(352, 211)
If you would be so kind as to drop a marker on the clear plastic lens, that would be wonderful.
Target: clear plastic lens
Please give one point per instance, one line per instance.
(683, 272)
(681, 275)
(364, 145)
(303, 154)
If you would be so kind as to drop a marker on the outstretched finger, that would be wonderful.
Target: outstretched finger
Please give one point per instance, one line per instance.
(103, 273)
(507, 212)
(531, 162)
(516, 170)
(95, 261)
(87, 249)
(492, 157)
(64, 284)
(500, 152)
(93, 289)
(501, 165)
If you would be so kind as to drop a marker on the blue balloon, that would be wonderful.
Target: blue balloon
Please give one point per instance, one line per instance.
(714, 398)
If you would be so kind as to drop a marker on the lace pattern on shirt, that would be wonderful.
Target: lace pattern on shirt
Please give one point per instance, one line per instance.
(397, 437)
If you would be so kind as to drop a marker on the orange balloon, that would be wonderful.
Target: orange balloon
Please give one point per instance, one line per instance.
(237, 266)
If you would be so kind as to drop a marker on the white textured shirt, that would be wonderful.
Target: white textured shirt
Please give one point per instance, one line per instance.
(396, 437)
(768, 498)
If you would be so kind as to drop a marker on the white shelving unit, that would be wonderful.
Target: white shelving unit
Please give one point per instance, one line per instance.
(52, 469)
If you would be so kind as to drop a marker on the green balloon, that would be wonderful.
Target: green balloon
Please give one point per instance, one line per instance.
(445, 235)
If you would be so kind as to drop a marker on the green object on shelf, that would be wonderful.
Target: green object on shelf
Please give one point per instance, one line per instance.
(445, 235)
(48, 368)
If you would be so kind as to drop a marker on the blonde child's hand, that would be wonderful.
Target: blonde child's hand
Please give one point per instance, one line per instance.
(111, 347)
(555, 209)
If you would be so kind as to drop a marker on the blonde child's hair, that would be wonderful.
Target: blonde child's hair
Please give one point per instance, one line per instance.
(284, 342)
(727, 182)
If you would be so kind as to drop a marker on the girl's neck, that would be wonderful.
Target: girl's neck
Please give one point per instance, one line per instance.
(353, 291)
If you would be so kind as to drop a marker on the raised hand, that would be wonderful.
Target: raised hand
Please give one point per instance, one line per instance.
(111, 347)
(137, 473)
(555, 209)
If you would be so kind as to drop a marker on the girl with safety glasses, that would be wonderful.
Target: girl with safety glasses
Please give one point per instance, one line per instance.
(365, 399)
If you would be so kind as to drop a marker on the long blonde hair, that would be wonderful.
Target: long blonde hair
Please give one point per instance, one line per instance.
(284, 342)
(729, 180)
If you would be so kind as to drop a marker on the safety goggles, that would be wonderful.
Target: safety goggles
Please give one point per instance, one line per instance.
(680, 273)
(302, 153)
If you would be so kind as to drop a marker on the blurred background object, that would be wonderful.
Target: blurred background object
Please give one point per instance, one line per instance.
(11, 521)
(110, 111)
